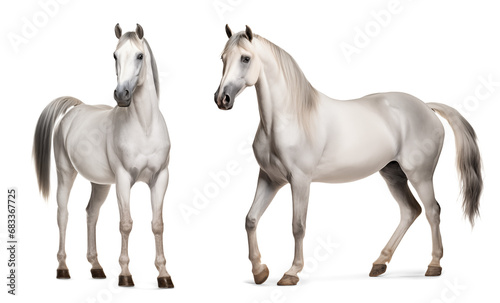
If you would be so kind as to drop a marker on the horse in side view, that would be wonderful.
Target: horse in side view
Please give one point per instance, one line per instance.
(305, 136)
(120, 145)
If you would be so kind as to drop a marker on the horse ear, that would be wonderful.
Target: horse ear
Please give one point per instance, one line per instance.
(139, 31)
(118, 31)
(229, 33)
(249, 33)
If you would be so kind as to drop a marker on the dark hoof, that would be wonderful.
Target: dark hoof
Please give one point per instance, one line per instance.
(262, 276)
(63, 274)
(125, 281)
(378, 269)
(165, 282)
(98, 273)
(288, 280)
(433, 271)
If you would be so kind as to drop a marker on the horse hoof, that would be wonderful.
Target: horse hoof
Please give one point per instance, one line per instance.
(433, 271)
(288, 280)
(165, 282)
(98, 273)
(378, 269)
(63, 274)
(262, 276)
(125, 281)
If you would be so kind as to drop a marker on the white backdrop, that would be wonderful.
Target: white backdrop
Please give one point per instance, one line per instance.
(446, 51)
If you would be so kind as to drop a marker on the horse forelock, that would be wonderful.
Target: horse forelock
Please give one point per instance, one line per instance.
(239, 39)
(129, 36)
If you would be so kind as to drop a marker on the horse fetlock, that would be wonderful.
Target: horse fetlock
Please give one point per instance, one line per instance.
(124, 260)
(386, 253)
(438, 254)
(254, 257)
(61, 256)
(298, 265)
(160, 262)
(92, 257)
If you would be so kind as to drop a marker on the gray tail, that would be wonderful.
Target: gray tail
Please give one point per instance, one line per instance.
(42, 141)
(468, 159)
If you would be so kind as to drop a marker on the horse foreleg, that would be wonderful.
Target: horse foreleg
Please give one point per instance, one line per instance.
(158, 188)
(266, 190)
(300, 196)
(123, 184)
(97, 198)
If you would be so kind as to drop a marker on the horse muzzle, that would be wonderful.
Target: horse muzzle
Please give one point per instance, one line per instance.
(224, 101)
(123, 97)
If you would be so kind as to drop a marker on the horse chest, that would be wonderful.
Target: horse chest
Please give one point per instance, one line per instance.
(277, 156)
(143, 153)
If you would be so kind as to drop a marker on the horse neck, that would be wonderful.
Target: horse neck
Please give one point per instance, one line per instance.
(273, 94)
(144, 105)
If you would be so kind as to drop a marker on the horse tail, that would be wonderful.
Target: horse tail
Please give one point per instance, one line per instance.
(468, 158)
(42, 140)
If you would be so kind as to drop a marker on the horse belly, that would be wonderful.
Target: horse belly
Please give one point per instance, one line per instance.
(85, 143)
(94, 168)
(347, 171)
(355, 156)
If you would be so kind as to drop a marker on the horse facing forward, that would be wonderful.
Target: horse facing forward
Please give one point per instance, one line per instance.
(305, 136)
(120, 145)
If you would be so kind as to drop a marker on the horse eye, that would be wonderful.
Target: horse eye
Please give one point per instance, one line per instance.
(114, 56)
(140, 56)
(245, 59)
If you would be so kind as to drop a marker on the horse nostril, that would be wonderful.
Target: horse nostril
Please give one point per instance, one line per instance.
(227, 99)
(127, 93)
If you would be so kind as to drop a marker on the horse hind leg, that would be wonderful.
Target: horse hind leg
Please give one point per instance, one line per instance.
(425, 190)
(65, 178)
(410, 209)
(97, 198)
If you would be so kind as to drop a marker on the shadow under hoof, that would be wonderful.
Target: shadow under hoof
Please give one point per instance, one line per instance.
(262, 276)
(377, 270)
(288, 280)
(63, 274)
(125, 281)
(98, 273)
(433, 271)
(165, 282)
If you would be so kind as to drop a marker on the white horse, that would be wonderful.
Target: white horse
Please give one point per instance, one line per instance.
(120, 145)
(305, 136)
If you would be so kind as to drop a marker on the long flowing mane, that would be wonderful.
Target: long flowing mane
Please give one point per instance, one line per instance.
(132, 36)
(302, 95)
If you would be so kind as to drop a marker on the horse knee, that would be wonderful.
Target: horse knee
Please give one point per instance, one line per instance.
(299, 229)
(250, 223)
(126, 226)
(157, 227)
